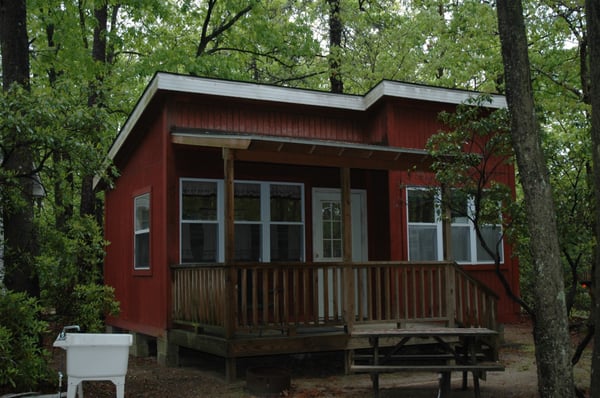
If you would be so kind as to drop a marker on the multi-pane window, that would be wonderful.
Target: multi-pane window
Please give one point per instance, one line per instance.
(269, 221)
(425, 241)
(286, 227)
(247, 210)
(423, 229)
(141, 241)
(460, 227)
(199, 222)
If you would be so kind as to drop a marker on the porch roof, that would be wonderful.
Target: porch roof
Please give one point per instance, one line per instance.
(288, 150)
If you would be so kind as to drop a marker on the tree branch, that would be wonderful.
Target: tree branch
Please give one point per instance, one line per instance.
(207, 38)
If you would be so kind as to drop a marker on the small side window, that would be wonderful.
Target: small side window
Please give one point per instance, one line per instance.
(141, 241)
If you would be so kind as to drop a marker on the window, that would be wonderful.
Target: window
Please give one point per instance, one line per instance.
(423, 231)
(141, 240)
(248, 237)
(269, 221)
(199, 222)
(425, 242)
(286, 228)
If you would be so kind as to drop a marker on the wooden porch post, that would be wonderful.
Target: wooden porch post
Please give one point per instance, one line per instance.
(230, 274)
(446, 224)
(349, 290)
(448, 257)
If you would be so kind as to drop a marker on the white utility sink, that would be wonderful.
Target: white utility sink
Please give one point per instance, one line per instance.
(95, 356)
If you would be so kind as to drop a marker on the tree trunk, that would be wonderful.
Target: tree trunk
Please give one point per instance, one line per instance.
(88, 197)
(20, 243)
(551, 334)
(335, 45)
(593, 34)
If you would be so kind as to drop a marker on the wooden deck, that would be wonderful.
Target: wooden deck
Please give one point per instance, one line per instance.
(243, 310)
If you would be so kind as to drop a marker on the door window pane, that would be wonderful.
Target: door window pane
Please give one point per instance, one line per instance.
(332, 229)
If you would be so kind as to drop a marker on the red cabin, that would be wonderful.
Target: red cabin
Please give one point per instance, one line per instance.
(250, 219)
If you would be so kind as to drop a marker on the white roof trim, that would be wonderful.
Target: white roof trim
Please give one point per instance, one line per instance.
(427, 93)
(257, 92)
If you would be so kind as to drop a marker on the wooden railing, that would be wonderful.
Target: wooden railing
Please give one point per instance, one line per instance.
(289, 296)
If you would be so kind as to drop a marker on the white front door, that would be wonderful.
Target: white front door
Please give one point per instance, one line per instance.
(327, 240)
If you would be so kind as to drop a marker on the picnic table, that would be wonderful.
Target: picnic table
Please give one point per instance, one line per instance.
(456, 350)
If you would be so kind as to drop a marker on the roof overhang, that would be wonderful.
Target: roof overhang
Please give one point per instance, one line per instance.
(309, 152)
(167, 82)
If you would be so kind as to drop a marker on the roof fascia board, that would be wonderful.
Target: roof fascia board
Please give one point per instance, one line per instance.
(427, 93)
(135, 115)
(258, 92)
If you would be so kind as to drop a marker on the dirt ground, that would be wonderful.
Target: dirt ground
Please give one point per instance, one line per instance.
(322, 375)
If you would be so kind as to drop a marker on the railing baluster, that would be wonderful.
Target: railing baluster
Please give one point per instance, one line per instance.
(431, 284)
(295, 296)
(336, 294)
(286, 297)
(276, 298)
(388, 292)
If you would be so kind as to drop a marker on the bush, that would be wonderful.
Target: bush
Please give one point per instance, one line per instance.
(91, 304)
(69, 258)
(23, 361)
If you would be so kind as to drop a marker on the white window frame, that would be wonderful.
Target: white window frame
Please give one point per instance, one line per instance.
(142, 231)
(439, 230)
(265, 219)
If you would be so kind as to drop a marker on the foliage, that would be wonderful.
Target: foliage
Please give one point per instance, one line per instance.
(92, 303)
(468, 157)
(470, 160)
(70, 258)
(284, 42)
(22, 361)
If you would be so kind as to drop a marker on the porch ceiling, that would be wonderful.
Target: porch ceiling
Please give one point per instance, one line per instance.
(313, 152)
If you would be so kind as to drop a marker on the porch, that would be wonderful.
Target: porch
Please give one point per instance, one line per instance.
(252, 309)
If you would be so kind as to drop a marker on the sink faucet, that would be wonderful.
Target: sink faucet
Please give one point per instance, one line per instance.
(63, 334)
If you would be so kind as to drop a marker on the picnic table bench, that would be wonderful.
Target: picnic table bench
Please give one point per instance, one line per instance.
(456, 350)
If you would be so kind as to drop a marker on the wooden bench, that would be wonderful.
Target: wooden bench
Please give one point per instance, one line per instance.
(477, 370)
(451, 360)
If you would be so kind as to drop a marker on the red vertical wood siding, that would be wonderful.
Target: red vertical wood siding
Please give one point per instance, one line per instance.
(143, 294)
(297, 122)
